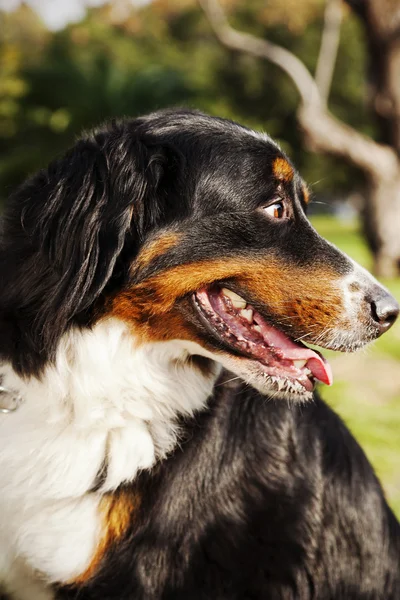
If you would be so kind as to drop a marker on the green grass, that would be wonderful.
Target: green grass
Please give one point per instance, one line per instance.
(367, 395)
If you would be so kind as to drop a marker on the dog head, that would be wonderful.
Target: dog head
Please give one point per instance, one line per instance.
(185, 227)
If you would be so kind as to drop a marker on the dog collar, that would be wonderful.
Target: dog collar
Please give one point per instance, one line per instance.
(10, 400)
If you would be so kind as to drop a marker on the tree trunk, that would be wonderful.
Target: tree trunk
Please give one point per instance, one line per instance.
(383, 203)
(381, 221)
(392, 91)
(381, 215)
(381, 211)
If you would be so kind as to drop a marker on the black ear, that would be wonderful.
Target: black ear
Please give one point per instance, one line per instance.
(64, 231)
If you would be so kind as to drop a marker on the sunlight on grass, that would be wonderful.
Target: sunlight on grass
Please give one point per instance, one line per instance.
(372, 412)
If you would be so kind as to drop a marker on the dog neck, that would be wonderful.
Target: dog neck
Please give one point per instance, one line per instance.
(106, 406)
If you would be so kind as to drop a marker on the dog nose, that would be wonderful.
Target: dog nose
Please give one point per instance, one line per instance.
(384, 311)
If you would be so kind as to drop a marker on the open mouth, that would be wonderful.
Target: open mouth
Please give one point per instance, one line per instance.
(234, 322)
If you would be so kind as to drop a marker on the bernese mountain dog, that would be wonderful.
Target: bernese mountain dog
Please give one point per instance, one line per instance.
(160, 436)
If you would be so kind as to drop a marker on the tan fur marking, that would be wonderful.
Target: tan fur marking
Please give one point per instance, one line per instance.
(310, 298)
(157, 248)
(306, 193)
(116, 511)
(282, 169)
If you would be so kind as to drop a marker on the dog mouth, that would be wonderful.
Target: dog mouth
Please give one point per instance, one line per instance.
(285, 363)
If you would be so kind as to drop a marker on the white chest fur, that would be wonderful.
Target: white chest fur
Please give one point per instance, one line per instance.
(104, 397)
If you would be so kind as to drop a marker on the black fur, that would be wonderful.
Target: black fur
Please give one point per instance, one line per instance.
(70, 234)
(76, 219)
(261, 501)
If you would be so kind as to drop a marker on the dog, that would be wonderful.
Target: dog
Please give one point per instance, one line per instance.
(160, 435)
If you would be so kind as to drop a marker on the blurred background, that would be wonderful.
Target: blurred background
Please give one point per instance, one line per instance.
(66, 65)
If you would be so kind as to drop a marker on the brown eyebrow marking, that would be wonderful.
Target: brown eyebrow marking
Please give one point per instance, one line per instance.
(116, 510)
(306, 193)
(282, 169)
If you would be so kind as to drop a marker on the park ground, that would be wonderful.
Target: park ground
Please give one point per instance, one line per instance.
(366, 388)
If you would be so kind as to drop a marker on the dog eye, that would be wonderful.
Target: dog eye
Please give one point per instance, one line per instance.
(275, 210)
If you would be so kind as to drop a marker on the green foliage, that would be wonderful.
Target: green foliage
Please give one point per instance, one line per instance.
(164, 55)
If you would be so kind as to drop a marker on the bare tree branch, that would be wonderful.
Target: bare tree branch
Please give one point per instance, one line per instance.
(260, 48)
(326, 134)
(322, 130)
(329, 47)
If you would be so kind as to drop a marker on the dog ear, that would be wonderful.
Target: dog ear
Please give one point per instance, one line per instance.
(76, 218)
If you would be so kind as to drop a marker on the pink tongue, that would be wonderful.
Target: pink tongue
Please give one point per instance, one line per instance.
(291, 350)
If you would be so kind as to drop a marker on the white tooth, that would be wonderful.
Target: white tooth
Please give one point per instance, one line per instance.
(299, 364)
(247, 314)
(237, 301)
(257, 328)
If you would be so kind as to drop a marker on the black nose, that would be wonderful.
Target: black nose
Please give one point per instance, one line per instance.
(384, 311)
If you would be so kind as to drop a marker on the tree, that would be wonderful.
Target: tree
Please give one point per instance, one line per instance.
(379, 160)
(162, 54)
(54, 85)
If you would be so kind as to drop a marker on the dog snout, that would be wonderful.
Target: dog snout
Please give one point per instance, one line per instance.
(369, 306)
(384, 309)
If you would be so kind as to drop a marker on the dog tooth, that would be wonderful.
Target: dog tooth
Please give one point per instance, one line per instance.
(299, 364)
(257, 328)
(247, 314)
(237, 301)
